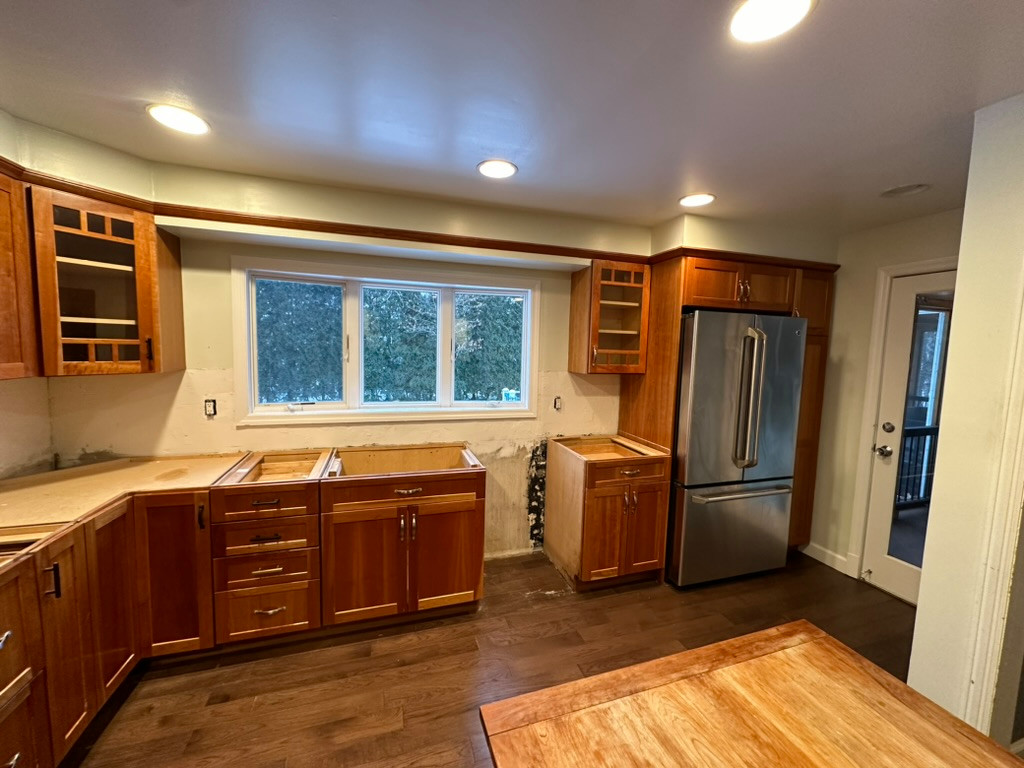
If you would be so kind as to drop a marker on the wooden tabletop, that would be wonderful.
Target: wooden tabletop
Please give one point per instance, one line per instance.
(790, 696)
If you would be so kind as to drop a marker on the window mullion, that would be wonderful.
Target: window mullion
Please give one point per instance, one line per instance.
(445, 348)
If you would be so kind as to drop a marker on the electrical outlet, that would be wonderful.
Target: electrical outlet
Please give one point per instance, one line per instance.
(558, 403)
(210, 407)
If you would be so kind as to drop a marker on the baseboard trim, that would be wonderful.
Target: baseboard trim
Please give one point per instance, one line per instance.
(832, 559)
(510, 553)
(1018, 748)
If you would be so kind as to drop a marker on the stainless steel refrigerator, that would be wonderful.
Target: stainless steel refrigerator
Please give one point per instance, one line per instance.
(739, 402)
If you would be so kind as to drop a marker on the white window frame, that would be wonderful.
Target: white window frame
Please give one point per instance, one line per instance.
(448, 280)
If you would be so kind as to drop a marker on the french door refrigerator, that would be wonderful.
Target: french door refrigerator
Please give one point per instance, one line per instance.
(740, 377)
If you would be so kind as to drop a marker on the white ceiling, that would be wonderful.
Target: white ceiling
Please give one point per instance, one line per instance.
(611, 108)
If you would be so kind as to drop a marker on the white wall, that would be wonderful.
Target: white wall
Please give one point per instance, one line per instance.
(25, 444)
(860, 257)
(692, 231)
(162, 413)
(975, 511)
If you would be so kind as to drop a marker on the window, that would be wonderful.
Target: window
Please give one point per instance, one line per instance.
(333, 345)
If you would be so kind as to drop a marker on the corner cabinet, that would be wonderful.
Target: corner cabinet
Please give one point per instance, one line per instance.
(18, 354)
(109, 288)
(609, 318)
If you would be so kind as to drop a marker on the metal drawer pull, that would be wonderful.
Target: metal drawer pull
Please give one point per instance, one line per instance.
(408, 492)
(13, 762)
(265, 539)
(629, 472)
(268, 571)
(715, 498)
(55, 570)
(269, 503)
(5, 637)
(268, 611)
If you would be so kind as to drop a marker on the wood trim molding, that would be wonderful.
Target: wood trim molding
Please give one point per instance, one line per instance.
(29, 176)
(750, 258)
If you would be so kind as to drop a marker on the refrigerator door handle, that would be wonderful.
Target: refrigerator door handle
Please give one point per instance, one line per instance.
(714, 498)
(748, 415)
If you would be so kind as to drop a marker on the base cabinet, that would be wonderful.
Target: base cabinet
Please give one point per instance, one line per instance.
(624, 530)
(175, 584)
(63, 578)
(446, 552)
(23, 732)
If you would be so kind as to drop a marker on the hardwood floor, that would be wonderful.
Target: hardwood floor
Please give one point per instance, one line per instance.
(408, 696)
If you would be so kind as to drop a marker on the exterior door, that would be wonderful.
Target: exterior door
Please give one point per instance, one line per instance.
(907, 431)
(447, 553)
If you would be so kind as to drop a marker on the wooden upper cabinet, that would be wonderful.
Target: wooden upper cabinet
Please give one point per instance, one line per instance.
(63, 578)
(814, 289)
(740, 285)
(18, 336)
(175, 583)
(609, 318)
(109, 288)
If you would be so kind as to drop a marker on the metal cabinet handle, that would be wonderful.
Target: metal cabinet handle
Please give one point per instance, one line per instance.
(401, 527)
(625, 502)
(746, 284)
(636, 500)
(55, 570)
(268, 611)
(199, 516)
(408, 491)
(268, 571)
(265, 539)
(13, 762)
(629, 472)
(5, 637)
(412, 537)
(268, 503)
(594, 356)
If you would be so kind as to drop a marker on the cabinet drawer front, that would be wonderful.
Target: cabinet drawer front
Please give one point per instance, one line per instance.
(22, 724)
(341, 496)
(15, 624)
(265, 535)
(243, 571)
(231, 504)
(243, 614)
(626, 472)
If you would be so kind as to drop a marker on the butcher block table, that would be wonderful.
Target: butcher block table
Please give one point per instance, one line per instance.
(790, 696)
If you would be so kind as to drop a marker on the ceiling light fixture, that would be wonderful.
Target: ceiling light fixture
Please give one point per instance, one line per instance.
(178, 119)
(906, 190)
(696, 200)
(497, 169)
(758, 20)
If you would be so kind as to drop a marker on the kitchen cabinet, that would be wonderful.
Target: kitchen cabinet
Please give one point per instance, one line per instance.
(175, 584)
(110, 544)
(109, 287)
(21, 642)
(609, 318)
(402, 531)
(606, 512)
(23, 732)
(18, 335)
(814, 289)
(738, 285)
(63, 581)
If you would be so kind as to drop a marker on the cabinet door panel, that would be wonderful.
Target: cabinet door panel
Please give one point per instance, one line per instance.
(175, 572)
(364, 556)
(63, 575)
(603, 518)
(645, 527)
(24, 740)
(769, 289)
(814, 299)
(712, 283)
(448, 552)
(112, 573)
(805, 466)
(21, 643)
(18, 356)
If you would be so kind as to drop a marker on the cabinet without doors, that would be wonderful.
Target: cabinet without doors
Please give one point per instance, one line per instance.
(109, 288)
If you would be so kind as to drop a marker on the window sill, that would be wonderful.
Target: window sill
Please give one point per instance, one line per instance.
(382, 416)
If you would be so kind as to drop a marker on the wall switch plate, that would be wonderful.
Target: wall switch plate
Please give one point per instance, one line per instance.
(210, 407)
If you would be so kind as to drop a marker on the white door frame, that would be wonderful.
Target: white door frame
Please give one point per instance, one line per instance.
(872, 396)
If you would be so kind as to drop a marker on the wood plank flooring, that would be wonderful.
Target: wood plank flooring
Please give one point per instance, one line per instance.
(409, 696)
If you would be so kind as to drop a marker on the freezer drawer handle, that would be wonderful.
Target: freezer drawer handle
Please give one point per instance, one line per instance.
(717, 497)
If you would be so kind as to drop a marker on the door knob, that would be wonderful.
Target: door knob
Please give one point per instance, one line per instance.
(884, 451)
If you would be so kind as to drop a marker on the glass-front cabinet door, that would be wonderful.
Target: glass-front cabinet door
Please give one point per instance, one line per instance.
(619, 312)
(94, 266)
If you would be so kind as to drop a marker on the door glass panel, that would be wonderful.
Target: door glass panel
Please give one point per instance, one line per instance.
(920, 429)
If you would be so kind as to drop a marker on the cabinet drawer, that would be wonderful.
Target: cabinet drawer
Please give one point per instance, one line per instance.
(266, 501)
(265, 535)
(626, 472)
(409, 490)
(19, 627)
(243, 614)
(23, 737)
(263, 569)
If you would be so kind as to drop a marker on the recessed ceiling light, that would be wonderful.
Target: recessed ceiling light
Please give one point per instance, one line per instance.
(497, 169)
(178, 119)
(759, 20)
(697, 200)
(906, 190)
